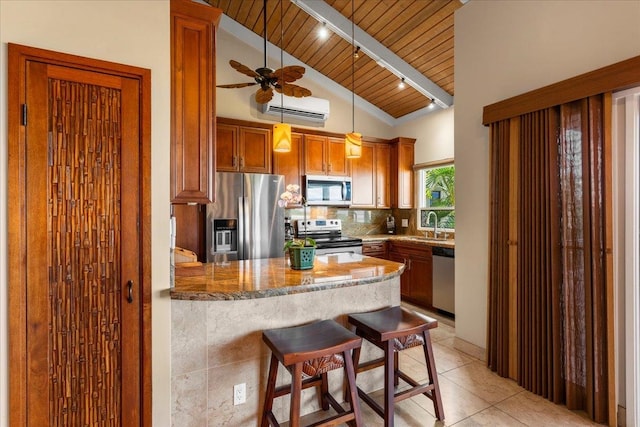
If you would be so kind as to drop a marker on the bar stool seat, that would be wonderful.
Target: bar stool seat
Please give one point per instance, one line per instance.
(395, 329)
(309, 352)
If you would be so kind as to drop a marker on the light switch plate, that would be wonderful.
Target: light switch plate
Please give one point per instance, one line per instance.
(405, 222)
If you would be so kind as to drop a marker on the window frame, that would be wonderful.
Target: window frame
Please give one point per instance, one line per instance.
(419, 171)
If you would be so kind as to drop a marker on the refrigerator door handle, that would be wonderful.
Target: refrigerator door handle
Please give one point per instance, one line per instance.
(241, 219)
(245, 214)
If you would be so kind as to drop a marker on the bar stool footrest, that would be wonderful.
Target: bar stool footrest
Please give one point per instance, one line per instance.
(372, 403)
(285, 389)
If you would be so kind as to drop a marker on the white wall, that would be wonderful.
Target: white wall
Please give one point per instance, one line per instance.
(239, 103)
(504, 49)
(433, 134)
(130, 32)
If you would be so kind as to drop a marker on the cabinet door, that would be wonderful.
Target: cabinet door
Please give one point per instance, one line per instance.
(363, 178)
(405, 280)
(314, 154)
(420, 288)
(383, 175)
(337, 158)
(254, 150)
(193, 72)
(405, 175)
(290, 164)
(227, 148)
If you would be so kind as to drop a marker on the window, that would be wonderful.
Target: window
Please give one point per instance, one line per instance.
(437, 193)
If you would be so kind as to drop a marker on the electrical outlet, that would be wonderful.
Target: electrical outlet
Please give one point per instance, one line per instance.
(405, 222)
(239, 394)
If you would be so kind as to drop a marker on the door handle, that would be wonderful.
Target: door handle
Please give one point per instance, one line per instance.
(130, 291)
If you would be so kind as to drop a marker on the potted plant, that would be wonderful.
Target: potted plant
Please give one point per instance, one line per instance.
(302, 252)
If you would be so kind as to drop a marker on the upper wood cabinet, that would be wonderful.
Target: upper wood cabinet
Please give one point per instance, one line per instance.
(290, 164)
(325, 155)
(243, 148)
(402, 159)
(370, 175)
(193, 29)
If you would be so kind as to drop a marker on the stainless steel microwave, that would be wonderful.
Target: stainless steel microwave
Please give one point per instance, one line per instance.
(320, 190)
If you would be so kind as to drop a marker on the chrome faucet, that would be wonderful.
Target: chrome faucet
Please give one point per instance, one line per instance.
(435, 223)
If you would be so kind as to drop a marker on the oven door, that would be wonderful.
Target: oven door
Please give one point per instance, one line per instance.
(352, 248)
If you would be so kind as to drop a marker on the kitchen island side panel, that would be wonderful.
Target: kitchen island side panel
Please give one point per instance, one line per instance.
(217, 344)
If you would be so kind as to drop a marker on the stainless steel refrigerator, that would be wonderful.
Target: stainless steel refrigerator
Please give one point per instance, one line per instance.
(246, 221)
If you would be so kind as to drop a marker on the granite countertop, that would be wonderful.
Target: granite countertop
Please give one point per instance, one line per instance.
(271, 277)
(449, 243)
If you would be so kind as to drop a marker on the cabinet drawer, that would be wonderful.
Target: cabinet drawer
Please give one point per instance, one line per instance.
(375, 249)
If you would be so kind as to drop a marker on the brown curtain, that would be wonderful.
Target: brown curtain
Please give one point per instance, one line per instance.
(498, 348)
(560, 281)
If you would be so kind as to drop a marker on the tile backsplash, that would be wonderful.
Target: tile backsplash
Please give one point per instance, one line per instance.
(357, 222)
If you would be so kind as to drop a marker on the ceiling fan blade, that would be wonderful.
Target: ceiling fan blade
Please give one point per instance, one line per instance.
(264, 96)
(288, 74)
(236, 85)
(243, 69)
(294, 90)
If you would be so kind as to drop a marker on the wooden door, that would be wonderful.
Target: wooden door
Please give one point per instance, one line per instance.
(363, 178)
(314, 154)
(255, 150)
(81, 313)
(337, 158)
(290, 164)
(227, 148)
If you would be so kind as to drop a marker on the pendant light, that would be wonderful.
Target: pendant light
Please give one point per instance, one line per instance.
(281, 131)
(353, 140)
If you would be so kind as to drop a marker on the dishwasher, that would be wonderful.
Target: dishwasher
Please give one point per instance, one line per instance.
(444, 279)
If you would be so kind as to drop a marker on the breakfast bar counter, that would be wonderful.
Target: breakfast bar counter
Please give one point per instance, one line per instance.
(262, 278)
(218, 313)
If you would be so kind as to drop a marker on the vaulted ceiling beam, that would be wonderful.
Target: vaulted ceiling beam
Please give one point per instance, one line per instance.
(341, 26)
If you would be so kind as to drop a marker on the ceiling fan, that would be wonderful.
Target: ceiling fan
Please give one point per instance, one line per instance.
(270, 79)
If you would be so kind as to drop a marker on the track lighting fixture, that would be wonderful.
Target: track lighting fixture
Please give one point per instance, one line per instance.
(323, 32)
(401, 85)
(356, 54)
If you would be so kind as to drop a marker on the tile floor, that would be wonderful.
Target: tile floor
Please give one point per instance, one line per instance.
(472, 395)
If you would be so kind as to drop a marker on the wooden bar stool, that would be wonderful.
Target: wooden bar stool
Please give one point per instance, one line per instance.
(311, 351)
(395, 329)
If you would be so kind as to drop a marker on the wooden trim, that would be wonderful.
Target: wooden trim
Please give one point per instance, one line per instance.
(18, 56)
(609, 260)
(449, 161)
(248, 123)
(618, 76)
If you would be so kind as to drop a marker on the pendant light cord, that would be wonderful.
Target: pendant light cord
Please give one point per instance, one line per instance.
(281, 67)
(353, 66)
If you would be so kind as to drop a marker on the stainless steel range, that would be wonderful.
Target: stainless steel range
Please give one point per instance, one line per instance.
(328, 236)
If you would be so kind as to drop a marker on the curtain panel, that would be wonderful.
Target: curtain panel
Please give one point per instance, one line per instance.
(548, 165)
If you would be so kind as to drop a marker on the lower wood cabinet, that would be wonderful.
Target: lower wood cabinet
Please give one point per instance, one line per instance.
(416, 284)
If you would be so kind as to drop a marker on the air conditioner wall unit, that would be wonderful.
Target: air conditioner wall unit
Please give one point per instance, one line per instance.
(307, 108)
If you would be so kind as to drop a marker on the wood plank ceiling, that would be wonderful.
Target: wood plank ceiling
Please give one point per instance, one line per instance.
(418, 31)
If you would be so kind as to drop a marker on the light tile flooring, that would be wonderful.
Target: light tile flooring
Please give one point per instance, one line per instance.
(472, 395)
